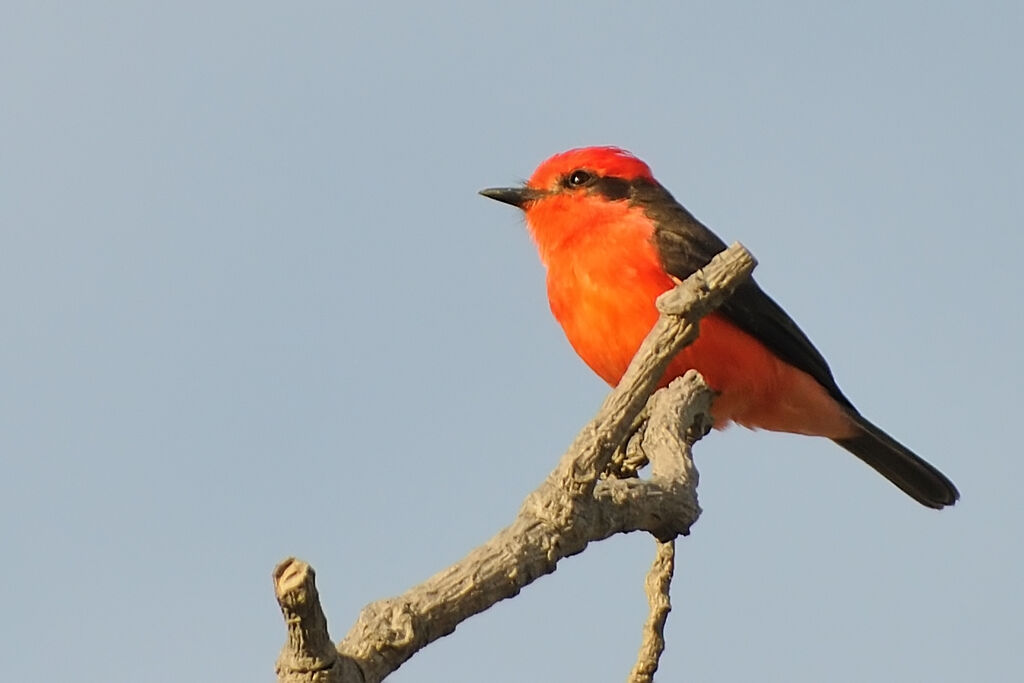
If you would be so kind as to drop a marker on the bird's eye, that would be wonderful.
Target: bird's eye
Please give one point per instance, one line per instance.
(578, 178)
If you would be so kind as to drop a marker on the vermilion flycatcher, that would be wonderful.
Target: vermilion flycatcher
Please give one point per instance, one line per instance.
(613, 239)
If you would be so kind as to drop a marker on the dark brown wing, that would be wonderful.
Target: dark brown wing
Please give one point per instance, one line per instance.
(685, 245)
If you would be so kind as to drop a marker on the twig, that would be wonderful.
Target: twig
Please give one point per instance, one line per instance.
(659, 579)
(308, 655)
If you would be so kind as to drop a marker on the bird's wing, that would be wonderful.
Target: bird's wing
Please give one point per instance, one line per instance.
(685, 245)
(756, 313)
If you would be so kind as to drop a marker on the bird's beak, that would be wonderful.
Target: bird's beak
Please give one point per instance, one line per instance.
(516, 196)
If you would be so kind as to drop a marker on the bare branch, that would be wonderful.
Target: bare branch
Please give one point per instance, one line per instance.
(308, 656)
(665, 505)
(659, 579)
(573, 507)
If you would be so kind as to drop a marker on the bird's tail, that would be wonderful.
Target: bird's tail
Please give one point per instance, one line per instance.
(898, 464)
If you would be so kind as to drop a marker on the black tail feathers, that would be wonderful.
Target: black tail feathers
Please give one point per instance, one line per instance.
(898, 464)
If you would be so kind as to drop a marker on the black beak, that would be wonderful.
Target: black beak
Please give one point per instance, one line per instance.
(516, 196)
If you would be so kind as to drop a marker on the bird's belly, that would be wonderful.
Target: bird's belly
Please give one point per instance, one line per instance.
(606, 325)
(604, 322)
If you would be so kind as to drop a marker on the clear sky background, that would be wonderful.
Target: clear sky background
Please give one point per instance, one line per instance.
(252, 306)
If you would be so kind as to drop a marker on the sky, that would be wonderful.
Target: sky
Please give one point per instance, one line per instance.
(252, 307)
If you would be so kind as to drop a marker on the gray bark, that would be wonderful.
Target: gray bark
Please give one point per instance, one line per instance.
(574, 506)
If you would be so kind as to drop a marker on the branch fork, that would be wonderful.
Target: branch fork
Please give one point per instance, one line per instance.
(572, 507)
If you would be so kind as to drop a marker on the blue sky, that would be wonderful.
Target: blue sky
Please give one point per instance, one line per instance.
(252, 306)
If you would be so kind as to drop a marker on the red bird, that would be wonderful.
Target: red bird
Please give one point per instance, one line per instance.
(613, 239)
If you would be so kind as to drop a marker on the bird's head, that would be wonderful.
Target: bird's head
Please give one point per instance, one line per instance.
(575, 192)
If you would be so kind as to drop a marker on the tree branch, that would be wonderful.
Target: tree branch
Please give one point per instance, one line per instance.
(572, 508)
(308, 655)
(659, 579)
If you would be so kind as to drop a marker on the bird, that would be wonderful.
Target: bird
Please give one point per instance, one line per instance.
(613, 239)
